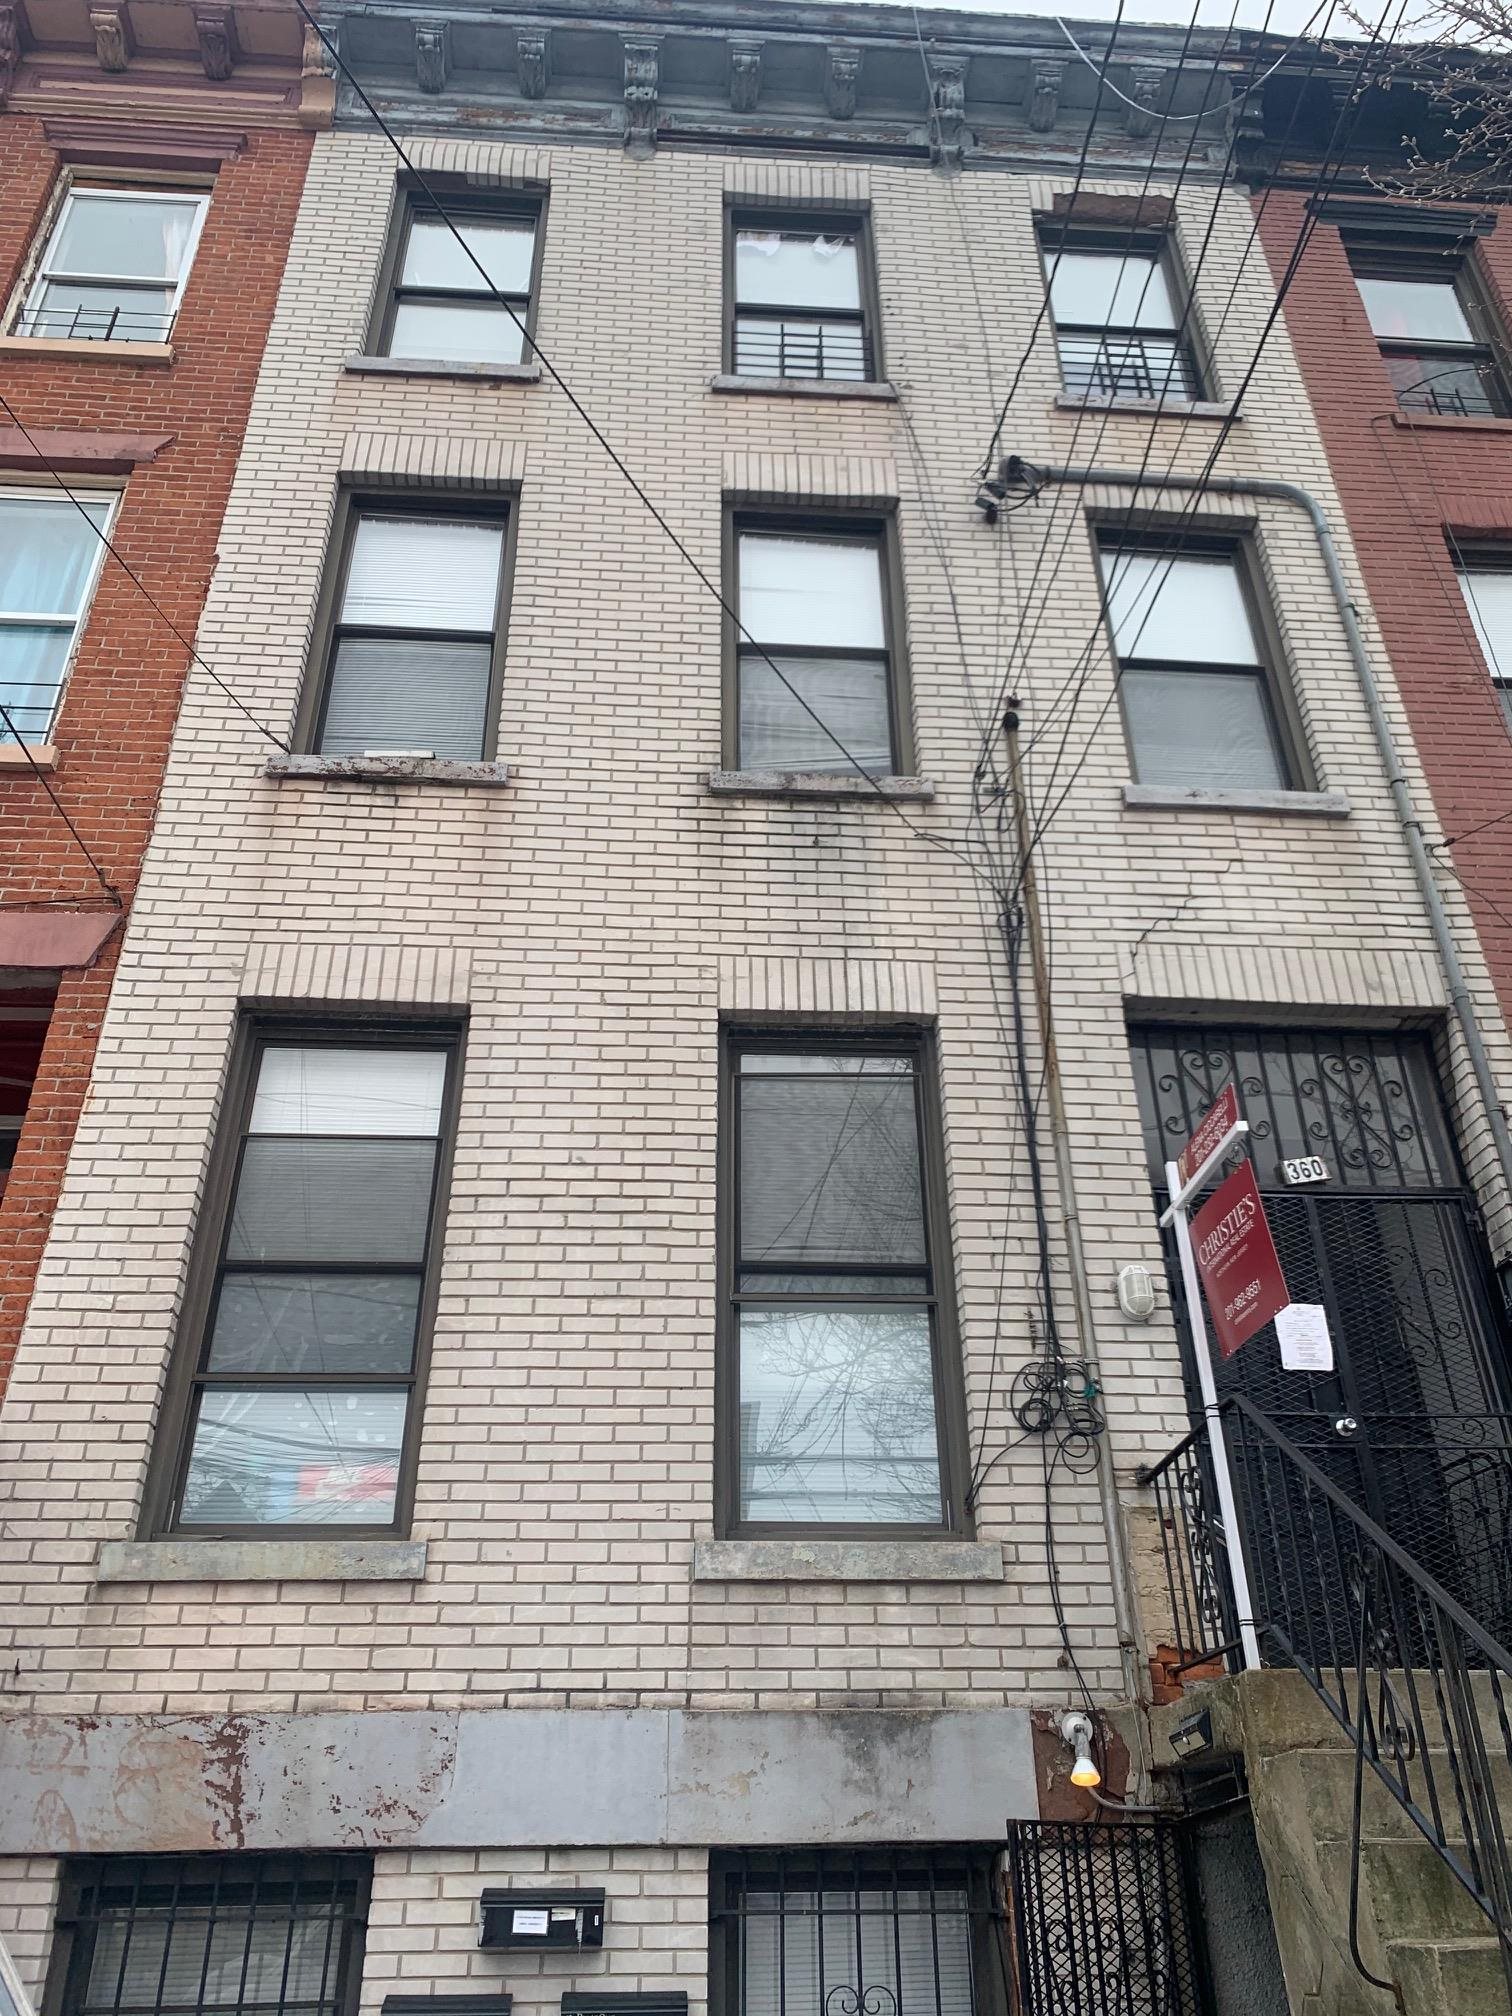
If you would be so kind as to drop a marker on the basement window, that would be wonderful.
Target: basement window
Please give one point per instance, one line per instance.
(115, 264)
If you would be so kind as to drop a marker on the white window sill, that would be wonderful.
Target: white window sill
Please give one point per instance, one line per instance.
(322, 1560)
(817, 784)
(805, 388)
(81, 346)
(301, 769)
(35, 756)
(1158, 409)
(1286, 804)
(847, 1561)
(442, 367)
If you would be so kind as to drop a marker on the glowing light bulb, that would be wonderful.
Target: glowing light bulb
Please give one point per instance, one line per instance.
(1077, 1731)
(1085, 1773)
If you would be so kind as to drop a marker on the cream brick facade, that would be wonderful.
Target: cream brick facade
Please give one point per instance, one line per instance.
(595, 920)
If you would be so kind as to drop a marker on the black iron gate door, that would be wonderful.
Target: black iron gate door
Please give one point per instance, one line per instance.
(1413, 1421)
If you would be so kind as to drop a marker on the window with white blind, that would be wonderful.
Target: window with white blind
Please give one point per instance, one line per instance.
(209, 1935)
(415, 640)
(800, 297)
(297, 1399)
(51, 553)
(868, 1932)
(1486, 585)
(839, 1377)
(463, 285)
(816, 666)
(115, 264)
(1194, 676)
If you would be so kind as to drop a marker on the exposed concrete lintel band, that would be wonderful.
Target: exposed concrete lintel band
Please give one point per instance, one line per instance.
(322, 1560)
(847, 1561)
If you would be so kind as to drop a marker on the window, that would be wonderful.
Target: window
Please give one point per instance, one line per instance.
(439, 305)
(799, 291)
(416, 636)
(301, 1407)
(50, 555)
(1486, 585)
(114, 265)
(1192, 674)
(816, 602)
(887, 1932)
(25, 1013)
(1118, 318)
(187, 1935)
(835, 1411)
(1434, 330)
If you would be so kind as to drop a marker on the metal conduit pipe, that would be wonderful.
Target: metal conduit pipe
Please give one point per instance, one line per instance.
(1016, 470)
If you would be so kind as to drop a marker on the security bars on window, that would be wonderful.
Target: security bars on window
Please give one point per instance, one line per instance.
(246, 1935)
(441, 307)
(1116, 325)
(114, 266)
(304, 1392)
(799, 309)
(50, 559)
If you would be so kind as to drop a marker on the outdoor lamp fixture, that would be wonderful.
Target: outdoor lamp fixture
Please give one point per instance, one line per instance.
(1076, 1730)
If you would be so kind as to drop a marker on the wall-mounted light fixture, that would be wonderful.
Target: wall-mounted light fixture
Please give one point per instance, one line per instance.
(1136, 1293)
(1076, 1730)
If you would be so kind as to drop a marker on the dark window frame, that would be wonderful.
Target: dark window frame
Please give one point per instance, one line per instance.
(1192, 379)
(1277, 685)
(355, 502)
(1456, 266)
(945, 1333)
(820, 522)
(462, 203)
(870, 1870)
(851, 223)
(75, 1931)
(173, 1443)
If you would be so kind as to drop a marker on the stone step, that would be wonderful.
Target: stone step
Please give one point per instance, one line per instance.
(1324, 1781)
(1414, 1892)
(1449, 1977)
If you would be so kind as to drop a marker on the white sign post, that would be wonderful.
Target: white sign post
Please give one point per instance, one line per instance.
(1176, 1214)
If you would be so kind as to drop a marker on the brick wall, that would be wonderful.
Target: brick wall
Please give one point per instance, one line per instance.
(117, 715)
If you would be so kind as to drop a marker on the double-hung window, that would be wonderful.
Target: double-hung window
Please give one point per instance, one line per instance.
(1197, 689)
(1118, 322)
(209, 1935)
(301, 1408)
(114, 265)
(815, 651)
(440, 305)
(50, 557)
(414, 654)
(800, 298)
(837, 1403)
(1434, 330)
(1486, 584)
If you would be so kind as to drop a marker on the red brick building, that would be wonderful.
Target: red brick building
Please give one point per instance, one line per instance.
(151, 163)
(1399, 315)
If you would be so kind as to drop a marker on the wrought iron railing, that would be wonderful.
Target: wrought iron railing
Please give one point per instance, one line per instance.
(1420, 1687)
(779, 346)
(1467, 386)
(1102, 365)
(96, 325)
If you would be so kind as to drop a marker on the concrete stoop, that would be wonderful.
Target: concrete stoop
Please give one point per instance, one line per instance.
(1418, 1927)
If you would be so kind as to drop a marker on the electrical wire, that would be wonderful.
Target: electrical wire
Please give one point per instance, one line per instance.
(62, 811)
(1180, 118)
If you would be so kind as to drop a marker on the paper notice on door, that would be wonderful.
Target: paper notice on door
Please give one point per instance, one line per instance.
(530, 1921)
(1306, 1346)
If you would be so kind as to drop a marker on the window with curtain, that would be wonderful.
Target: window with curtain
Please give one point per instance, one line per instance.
(114, 265)
(835, 1348)
(303, 1397)
(50, 557)
(450, 273)
(815, 605)
(1486, 584)
(869, 1932)
(1117, 313)
(799, 307)
(412, 663)
(1434, 330)
(1192, 675)
(189, 1935)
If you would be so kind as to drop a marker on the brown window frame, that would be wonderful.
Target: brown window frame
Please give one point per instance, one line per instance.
(76, 1926)
(1288, 736)
(174, 1440)
(818, 522)
(853, 223)
(945, 1337)
(1454, 265)
(461, 203)
(354, 503)
(1192, 377)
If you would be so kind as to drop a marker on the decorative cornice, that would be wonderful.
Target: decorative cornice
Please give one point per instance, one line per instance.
(215, 31)
(948, 137)
(135, 143)
(432, 54)
(1145, 86)
(842, 73)
(10, 44)
(745, 73)
(533, 60)
(1045, 80)
(110, 25)
(642, 83)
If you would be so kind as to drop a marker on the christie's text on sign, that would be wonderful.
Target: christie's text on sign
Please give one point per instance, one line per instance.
(1237, 1260)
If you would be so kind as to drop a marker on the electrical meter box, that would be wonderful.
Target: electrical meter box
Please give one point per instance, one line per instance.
(544, 1921)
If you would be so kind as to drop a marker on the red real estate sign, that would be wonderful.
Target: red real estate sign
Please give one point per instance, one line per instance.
(1237, 1260)
(1209, 1131)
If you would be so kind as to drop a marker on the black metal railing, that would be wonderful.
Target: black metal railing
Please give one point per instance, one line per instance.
(96, 325)
(1464, 386)
(783, 347)
(1103, 365)
(1420, 1687)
